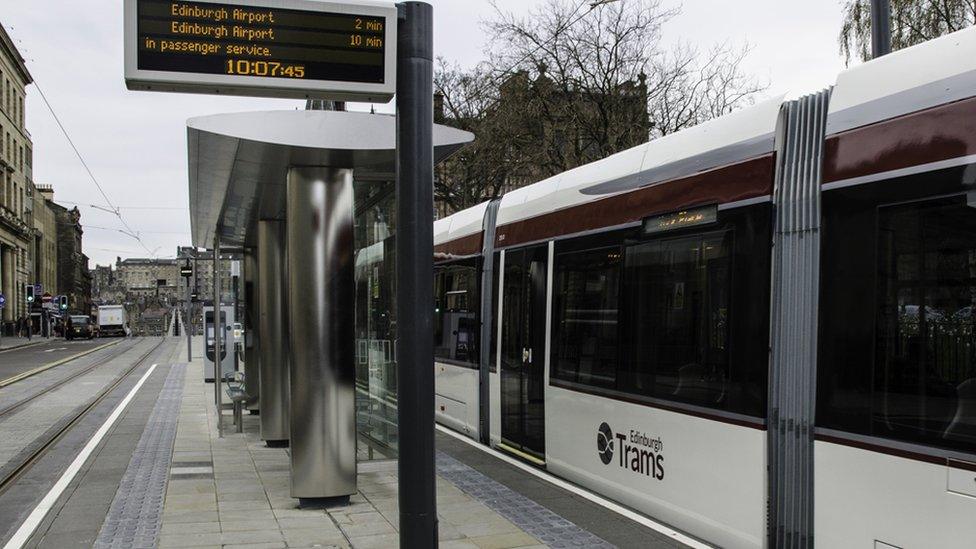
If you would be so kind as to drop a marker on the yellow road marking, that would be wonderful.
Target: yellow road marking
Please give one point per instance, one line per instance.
(39, 369)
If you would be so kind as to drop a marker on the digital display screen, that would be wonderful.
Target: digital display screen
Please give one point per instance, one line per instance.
(259, 42)
(679, 220)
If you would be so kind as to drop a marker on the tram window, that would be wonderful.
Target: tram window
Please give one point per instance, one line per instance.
(585, 312)
(456, 306)
(920, 385)
(679, 311)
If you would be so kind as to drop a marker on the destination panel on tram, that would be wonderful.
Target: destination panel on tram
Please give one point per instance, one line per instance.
(276, 48)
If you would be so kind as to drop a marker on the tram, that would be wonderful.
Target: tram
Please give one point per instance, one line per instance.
(759, 330)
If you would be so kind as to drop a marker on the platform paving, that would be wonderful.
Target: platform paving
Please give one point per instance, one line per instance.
(234, 492)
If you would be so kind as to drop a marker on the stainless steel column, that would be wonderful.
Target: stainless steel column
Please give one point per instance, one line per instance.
(272, 333)
(252, 353)
(321, 307)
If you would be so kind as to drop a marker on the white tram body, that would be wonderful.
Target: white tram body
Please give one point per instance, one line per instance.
(759, 330)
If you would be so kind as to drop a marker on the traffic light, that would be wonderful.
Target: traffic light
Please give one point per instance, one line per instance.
(63, 302)
(30, 293)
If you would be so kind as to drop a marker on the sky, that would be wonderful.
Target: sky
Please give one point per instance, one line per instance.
(135, 142)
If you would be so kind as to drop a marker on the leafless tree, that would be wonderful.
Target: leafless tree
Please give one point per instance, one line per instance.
(912, 22)
(468, 100)
(570, 83)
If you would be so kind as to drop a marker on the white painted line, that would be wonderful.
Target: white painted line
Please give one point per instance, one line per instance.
(599, 500)
(58, 349)
(190, 470)
(26, 529)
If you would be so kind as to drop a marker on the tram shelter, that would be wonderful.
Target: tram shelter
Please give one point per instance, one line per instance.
(281, 186)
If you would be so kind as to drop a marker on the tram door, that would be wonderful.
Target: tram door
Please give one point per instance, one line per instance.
(523, 351)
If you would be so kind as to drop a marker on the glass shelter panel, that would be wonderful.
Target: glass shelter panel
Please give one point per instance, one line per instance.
(376, 383)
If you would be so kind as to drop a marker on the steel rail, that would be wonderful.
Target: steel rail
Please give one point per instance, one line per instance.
(61, 382)
(10, 478)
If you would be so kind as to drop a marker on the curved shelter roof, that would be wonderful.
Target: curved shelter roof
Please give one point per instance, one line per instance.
(238, 162)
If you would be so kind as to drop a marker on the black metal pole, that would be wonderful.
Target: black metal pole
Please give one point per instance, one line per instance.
(880, 28)
(415, 275)
(188, 322)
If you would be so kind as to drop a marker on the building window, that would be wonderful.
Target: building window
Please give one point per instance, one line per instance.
(585, 314)
(904, 369)
(456, 307)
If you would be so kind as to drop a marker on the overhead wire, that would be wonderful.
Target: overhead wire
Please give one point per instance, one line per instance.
(112, 208)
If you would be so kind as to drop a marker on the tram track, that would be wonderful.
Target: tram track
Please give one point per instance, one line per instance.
(61, 382)
(23, 463)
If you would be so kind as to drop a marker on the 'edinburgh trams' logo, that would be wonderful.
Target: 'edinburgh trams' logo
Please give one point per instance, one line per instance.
(604, 443)
(635, 451)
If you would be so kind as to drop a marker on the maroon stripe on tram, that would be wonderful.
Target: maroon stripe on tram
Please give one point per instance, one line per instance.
(741, 181)
(461, 247)
(940, 133)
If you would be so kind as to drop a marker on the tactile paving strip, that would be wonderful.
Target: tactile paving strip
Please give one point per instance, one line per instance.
(135, 517)
(536, 520)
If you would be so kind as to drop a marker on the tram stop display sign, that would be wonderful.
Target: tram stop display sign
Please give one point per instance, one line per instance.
(268, 48)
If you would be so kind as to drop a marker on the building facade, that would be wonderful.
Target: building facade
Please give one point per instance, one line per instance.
(103, 280)
(16, 186)
(202, 280)
(137, 273)
(45, 248)
(74, 279)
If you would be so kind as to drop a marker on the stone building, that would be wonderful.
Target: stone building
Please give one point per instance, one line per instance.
(146, 277)
(45, 250)
(16, 185)
(202, 279)
(74, 279)
(103, 280)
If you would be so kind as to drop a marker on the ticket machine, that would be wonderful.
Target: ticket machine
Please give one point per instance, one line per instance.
(228, 343)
